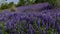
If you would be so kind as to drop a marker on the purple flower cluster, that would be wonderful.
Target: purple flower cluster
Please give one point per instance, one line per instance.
(46, 21)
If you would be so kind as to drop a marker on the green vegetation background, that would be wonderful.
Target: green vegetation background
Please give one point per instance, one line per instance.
(28, 2)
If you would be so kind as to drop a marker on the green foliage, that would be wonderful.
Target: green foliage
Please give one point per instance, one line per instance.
(23, 2)
(3, 30)
(57, 3)
(20, 3)
(39, 1)
(53, 2)
(4, 6)
(29, 2)
(10, 4)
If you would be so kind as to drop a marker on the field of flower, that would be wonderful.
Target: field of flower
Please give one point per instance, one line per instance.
(40, 18)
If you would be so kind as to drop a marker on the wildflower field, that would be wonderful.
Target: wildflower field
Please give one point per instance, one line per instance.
(40, 18)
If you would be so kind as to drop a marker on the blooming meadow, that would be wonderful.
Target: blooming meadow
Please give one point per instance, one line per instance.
(40, 18)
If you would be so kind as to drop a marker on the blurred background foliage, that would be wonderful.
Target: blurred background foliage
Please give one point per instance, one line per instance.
(27, 2)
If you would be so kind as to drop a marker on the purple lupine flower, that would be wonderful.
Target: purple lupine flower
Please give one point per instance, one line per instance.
(38, 22)
(10, 24)
(42, 23)
(54, 22)
(1, 16)
(30, 29)
(0, 31)
(58, 29)
(23, 17)
(45, 32)
(47, 26)
(22, 32)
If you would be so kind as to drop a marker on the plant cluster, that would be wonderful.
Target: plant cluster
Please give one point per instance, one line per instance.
(40, 21)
